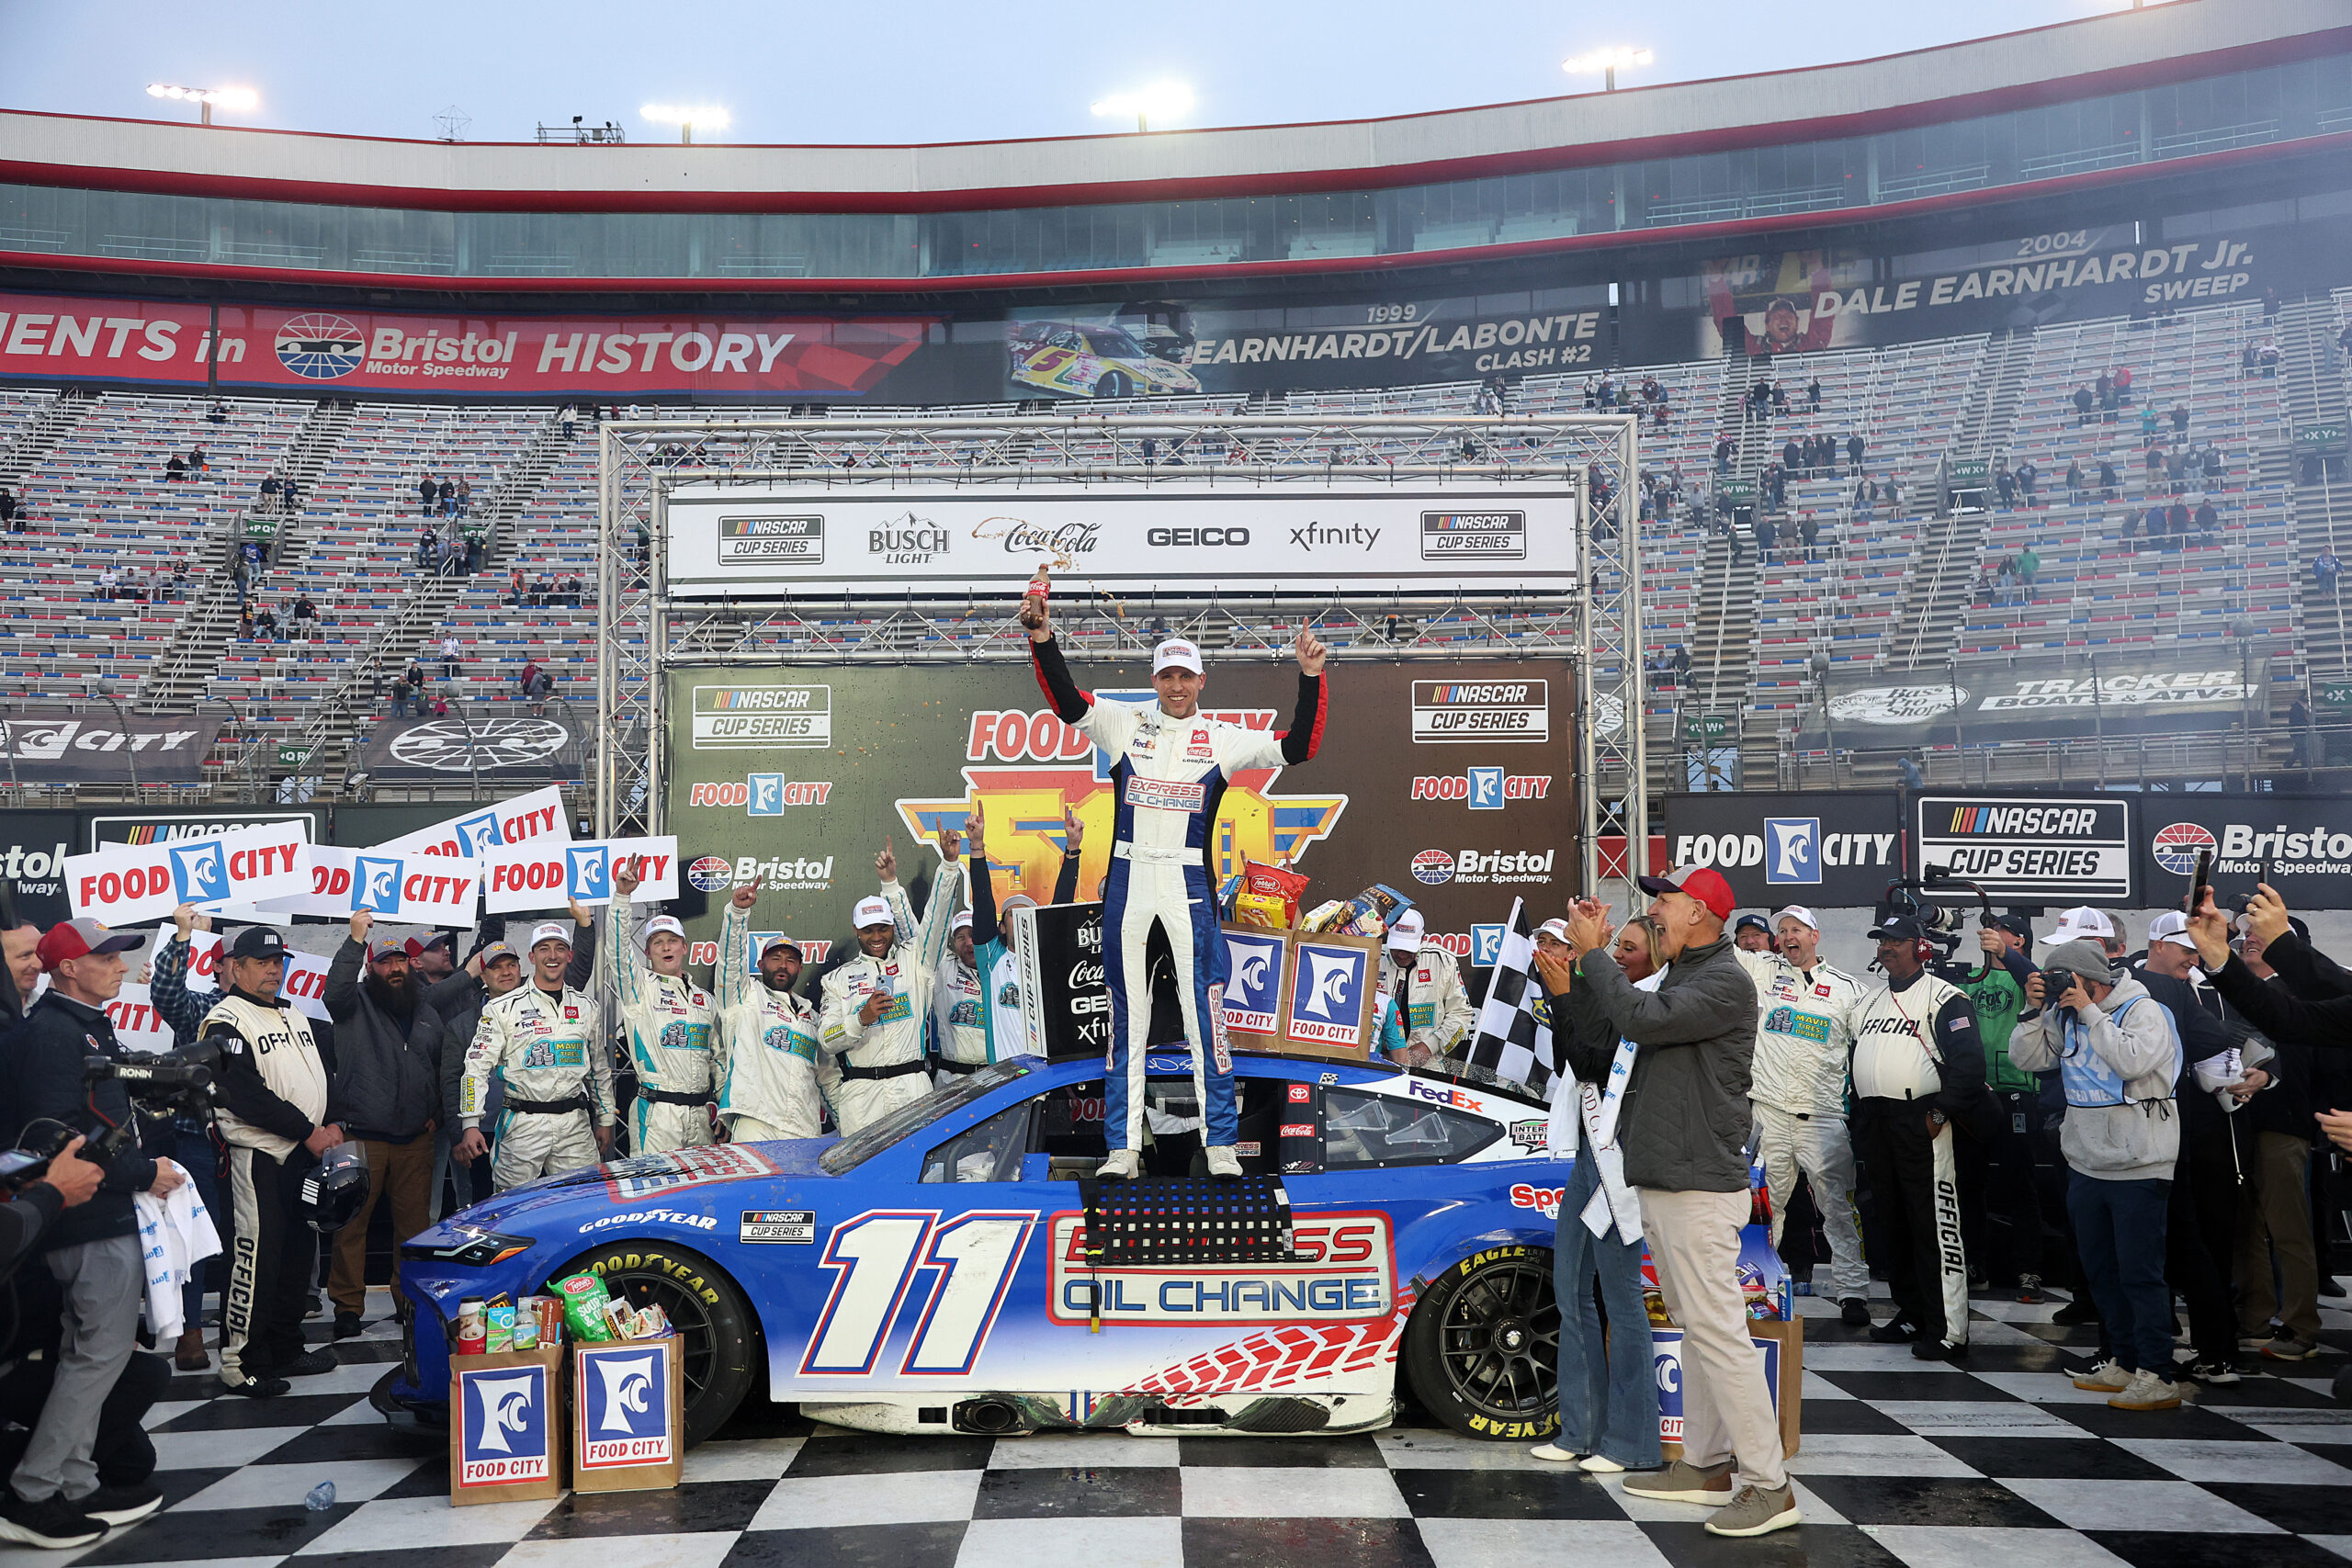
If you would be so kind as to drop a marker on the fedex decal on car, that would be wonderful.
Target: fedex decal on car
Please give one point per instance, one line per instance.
(1344, 1266)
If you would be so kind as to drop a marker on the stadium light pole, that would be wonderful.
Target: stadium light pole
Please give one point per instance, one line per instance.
(236, 100)
(1606, 62)
(685, 117)
(1165, 99)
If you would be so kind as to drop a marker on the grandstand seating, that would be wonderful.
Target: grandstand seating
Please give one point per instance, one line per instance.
(92, 481)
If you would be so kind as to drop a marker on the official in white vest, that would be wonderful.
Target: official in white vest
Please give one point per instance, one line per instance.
(1919, 1067)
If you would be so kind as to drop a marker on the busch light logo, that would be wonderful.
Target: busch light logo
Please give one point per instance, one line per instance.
(1793, 849)
(1326, 993)
(504, 1417)
(199, 873)
(376, 884)
(1485, 789)
(588, 873)
(1486, 945)
(1253, 996)
(767, 794)
(478, 835)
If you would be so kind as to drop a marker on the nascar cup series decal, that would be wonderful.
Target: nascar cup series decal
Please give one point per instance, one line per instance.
(1344, 1268)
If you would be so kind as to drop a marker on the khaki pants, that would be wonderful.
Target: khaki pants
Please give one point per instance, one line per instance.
(403, 1173)
(1726, 1410)
(2275, 1216)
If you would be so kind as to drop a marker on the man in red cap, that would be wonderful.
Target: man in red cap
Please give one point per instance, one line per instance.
(1683, 1132)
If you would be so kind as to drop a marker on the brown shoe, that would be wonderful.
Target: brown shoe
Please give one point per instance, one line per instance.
(189, 1355)
(1682, 1482)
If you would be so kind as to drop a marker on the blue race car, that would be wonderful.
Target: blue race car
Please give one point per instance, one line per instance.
(929, 1275)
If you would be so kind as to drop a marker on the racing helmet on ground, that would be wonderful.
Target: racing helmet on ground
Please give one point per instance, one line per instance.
(333, 1193)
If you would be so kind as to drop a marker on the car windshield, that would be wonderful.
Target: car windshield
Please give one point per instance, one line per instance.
(1109, 342)
(871, 1140)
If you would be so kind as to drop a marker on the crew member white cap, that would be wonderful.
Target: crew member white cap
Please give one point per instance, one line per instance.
(2172, 926)
(872, 911)
(1178, 652)
(660, 923)
(1014, 901)
(962, 922)
(550, 933)
(2076, 924)
(1800, 913)
(1556, 930)
(1405, 931)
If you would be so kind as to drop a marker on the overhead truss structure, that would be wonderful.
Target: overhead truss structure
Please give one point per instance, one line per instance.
(643, 632)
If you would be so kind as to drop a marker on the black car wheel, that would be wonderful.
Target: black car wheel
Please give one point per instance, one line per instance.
(714, 1323)
(1483, 1348)
(1112, 385)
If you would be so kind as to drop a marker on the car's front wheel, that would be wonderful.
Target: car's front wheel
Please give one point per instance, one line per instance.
(1483, 1348)
(1112, 385)
(713, 1321)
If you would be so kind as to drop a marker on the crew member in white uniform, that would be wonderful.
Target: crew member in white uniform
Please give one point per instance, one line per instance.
(546, 1043)
(878, 1004)
(1919, 1067)
(1806, 1010)
(668, 1020)
(767, 1034)
(1432, 1009)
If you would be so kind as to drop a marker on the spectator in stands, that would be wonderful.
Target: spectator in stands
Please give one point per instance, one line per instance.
(2326, 570)
(1906, 768)
(2006, 483)
(2267, 355)
(2179, 420)
(2083, 402)
(543, 589)
(1795, 459)
(244, 623)
(425, 490)
(2299, 724)
(196, 463)
(265, 624)
(2153, 461)
(179, 579)
(1809, 530)
(1813, 395)
(1726, 447)
(175, 467)
(2250, 361)
(465, 498)
(1766, 536)
(2109, 481)
(2178, 516)
(565, 417)
(572, 590)
(2075, 481)
(2208, 520)
(447, 497)
(2026, 477)
(515, 589)
(217, 414)
(107, 581)
(10, 517)
(449, 656)
(2176, 472)
(2123, 383)
(2029, 567)
(271, 490)
(1855, 446)
(305, 615)
(401, 690)
(473, 555)
(1780, 399)
(537, 686)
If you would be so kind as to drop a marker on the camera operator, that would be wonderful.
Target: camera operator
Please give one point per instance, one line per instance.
(69, 1182)
(2119, 1059)
(273, 1095)
(55, 1497)
(1918, 1069)
(2000, 1211)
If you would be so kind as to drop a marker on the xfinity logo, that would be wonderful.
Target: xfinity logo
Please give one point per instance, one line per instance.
(1324, 536)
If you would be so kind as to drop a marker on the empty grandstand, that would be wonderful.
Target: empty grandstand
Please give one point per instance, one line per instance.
(2067, 309)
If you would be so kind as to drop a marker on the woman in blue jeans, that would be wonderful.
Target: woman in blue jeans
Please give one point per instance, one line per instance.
(1609, 1418)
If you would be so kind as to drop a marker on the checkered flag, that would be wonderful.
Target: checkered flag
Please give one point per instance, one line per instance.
(1512, 1042)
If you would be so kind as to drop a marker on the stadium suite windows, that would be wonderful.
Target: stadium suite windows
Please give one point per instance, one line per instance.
(2265, 105)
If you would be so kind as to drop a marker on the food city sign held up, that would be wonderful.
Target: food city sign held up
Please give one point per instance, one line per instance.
(122, 885)
(742, 543)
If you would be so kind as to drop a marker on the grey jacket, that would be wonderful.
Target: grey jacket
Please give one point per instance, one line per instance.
(1686, 1118)
(2139, 1141)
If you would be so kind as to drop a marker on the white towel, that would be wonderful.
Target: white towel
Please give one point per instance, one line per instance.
(176, 1234)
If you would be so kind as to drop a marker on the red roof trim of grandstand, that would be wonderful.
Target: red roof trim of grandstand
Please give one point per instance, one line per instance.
(2140, 75)
(1403, 261)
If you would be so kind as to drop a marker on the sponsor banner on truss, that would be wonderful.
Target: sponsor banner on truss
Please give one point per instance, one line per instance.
(447, 750)
(2146, 693)
(104, 747)
(738, 543)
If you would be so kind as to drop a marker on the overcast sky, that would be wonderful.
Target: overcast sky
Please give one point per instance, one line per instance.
(900, 71)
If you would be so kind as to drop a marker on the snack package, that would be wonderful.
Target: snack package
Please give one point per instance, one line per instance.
(1287, 885)
(499, 1315)
(1264, 911)
(620, 1319)
(526, 1324)
(1385, 901)
(584, 1299)
(1324, 916)
(652, 1323)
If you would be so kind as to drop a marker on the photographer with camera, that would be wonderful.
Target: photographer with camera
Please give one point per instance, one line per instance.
(2118, 1058)
(55, 1497)
(2000, 1211)
(273, 1112)
(35, 1201)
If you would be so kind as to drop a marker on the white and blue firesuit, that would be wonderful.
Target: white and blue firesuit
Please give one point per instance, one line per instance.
(1170, 774)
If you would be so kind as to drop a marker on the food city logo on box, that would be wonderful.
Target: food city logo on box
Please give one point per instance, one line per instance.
(2243, 849)
(1254, 995)
(625, 1407)
(1790, 849)
(1342, 1266)
(1463, 711)
(741, 719)
(1482, 789)
(1437, 867)
(760, 795)
(1326, 993)
(503, 1425)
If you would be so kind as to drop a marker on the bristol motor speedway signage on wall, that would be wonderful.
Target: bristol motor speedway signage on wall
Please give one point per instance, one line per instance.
(1829, 851)
(2302, 845)
(1461, 827)
(726, 542)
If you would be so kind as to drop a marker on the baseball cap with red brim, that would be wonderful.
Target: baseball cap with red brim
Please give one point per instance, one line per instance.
(1700, 882)
(80, 939)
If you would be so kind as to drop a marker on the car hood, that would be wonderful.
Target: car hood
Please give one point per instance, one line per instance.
(643, 1178)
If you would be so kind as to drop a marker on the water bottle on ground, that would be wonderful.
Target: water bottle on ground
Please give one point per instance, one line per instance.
(320, 1498)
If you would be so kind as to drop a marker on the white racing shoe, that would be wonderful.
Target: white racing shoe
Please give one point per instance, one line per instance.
(1223, 1161)
(1125, 1164)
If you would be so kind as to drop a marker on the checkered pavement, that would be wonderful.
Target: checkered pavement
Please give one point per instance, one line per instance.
(2002, 1464)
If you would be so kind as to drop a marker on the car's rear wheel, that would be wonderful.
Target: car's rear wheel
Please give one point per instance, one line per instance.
(1483, 1348)
(1112, 385)
(715, 1325)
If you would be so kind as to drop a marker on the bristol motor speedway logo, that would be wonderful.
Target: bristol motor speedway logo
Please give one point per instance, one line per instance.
(1482, 789)
(2247, 849)
(1437, 867)
(2177, 846)
(322, 347)
(1342, 1266)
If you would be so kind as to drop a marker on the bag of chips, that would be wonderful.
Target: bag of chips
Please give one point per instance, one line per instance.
(1287, 885)
(584, 1299)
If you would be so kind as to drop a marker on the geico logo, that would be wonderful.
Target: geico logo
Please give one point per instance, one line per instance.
(1019, 736)
(738, 792)
(1193, 538)
(1456, 786)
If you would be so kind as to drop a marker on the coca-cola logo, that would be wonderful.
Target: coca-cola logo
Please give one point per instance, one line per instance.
(1084, 977)
(1035, 538)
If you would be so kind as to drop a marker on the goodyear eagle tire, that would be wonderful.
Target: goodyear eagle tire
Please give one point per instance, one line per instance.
(1112, 385)
(1482, 1349)
(714, 1322)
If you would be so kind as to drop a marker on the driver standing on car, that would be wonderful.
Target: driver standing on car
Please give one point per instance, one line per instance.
(1170, 764)
(878, 1004)
(767, 1035)
(668, 1020)
(544, 1041)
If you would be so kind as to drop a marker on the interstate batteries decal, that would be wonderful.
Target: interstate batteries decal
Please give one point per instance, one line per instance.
(1344, 1268)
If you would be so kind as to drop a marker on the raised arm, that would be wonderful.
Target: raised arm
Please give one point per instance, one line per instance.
(167, 982)
(734, 977)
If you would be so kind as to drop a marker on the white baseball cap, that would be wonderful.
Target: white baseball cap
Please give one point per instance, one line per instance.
(2172, 926)
(1405, 931)
(1797, 912)
(1014, 901)
(962, 922)
(1177, 652)
(872, 911)
(1556, 930)
(660, 923)
(550, 933)
(2076, 925)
